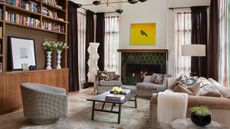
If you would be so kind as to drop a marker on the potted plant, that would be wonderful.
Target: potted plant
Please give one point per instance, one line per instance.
(200, 115)
(49, 47)
(60, 47)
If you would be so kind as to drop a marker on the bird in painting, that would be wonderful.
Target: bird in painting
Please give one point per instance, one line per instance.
(143, 33)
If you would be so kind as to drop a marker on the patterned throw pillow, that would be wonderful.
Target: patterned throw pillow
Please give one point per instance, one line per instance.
(102, 75)
(186, 81)
(159, 78)
(191, 90)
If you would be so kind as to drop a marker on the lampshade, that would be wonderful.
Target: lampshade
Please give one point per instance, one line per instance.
(196, 50)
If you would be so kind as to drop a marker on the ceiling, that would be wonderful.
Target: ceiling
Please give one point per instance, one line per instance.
(100, 8)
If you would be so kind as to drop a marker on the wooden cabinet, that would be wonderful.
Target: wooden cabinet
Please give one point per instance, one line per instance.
(10, 93)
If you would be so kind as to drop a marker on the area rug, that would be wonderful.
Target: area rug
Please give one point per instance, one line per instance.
(79, 116)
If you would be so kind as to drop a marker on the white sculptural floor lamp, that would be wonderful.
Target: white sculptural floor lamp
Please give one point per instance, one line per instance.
(93, 61)
(194, 50)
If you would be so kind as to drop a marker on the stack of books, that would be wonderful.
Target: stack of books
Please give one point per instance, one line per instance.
(53, 26)
(20, 19)
(25, 4)
(50, 2)
(1, 35)
(114, 97)
(50, 13)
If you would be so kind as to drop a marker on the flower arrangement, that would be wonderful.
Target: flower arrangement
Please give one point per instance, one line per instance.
(49, 45)
(116, 89)
(61, 46)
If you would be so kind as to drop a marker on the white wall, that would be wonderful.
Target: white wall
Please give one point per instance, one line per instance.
(147, 12)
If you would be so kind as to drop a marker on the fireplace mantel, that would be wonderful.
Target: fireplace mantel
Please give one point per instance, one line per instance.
(144, 50)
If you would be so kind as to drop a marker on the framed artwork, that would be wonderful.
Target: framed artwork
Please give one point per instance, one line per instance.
(143, 34)
(22, 51)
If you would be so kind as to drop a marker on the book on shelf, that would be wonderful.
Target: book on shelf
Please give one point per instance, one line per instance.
(1, 52)
(1, 67)
(53, 26)
(50, 2)
(53, 14)
(114, 97)
(1, 31)
(25, 4)
(1, 16)
(22, 20)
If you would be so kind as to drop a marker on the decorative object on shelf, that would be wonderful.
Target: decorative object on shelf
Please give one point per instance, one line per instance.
(200, 116)
(60, 47)
(25, 67)
(49, 47)
(143, 34)
(22, 51)
(93, 61)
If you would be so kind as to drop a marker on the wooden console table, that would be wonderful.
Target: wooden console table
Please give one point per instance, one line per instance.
(10, 93)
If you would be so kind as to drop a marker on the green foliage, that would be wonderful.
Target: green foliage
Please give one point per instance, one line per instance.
(200, 110)
(117, 89)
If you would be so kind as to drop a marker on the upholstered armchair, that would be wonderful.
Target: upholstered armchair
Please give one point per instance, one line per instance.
(103, 85)
(43, 104)
(146, 88)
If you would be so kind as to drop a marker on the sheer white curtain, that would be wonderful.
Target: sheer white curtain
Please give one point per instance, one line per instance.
(112, 43)
(183, 25)
(81, 44)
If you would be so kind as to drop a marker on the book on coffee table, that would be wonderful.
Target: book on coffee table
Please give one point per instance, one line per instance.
(114, 97)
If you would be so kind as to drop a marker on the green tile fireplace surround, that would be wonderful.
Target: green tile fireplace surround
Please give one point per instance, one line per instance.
(156, 60)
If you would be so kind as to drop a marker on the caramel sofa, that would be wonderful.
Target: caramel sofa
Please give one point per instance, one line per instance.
(219, 107)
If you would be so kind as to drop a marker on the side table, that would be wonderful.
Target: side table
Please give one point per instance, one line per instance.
(188, 124)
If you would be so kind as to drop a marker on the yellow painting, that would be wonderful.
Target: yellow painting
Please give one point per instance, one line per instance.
(143, 34)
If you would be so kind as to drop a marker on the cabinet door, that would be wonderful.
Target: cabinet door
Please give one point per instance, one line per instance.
(2, 93)
(13, 98)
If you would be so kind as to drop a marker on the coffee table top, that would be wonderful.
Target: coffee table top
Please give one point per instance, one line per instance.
(101, 98)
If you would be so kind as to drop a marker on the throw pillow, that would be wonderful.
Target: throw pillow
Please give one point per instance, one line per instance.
(159, 79)
(195, 89)
(102, 75)
(182, 89)
(188, 81)
(223, 90)
(111, 75)
(208, 89)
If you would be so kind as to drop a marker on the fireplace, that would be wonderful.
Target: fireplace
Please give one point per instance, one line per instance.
(136, 64)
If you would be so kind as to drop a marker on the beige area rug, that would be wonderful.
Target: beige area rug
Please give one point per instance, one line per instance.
(79, 116)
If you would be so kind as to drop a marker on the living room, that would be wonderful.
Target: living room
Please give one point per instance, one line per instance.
(114, 64)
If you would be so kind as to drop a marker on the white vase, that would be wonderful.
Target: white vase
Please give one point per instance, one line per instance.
(58, 59)
(48, 60)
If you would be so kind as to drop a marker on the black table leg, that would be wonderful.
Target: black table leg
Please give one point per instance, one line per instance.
(92, 117)
(135, 101)
(119, 114)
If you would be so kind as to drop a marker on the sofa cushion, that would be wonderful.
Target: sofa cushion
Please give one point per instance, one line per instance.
(208, 89)
(191, 90)
(110, 83)
(188, 81)
(224, 91)
(148, 78)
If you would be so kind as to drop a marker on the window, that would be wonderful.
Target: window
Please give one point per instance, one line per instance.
(111, 43)
(81, 44)
(183, 28)
(224, 45)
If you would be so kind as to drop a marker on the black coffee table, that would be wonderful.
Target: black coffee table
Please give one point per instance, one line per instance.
(101, 99)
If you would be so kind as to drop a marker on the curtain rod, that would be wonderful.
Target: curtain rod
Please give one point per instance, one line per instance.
(185, 7)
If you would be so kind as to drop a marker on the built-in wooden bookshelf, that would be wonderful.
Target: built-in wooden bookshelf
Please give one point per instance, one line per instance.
(48, 16)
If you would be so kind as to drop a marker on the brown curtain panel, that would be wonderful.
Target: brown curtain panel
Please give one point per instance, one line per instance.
(89, 38)
(100, 38)
(213, 44)
(73, 47)
(199, 36)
